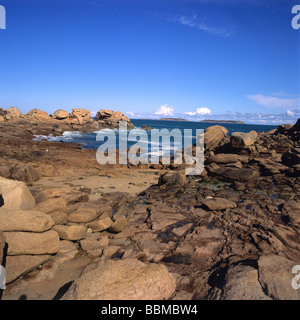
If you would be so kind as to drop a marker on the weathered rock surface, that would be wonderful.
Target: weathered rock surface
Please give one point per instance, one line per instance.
(61, 114)
(56, 208)
(147, 128)
(225, 158)
(236, 174)
(292, 157)
(90, 244)
(84, 214)
(31, 243)
(17, 170)
(242, 139)
(178, 178)
(37, 115)
(16, 266)
(275, 276)
(292, 209)
(213, 136)
(70, 195)
(21, 220)
(70, 232)
(79, 116)
(16, 195)
(118, 225)
(100, 224)
(112, 118)
(43, 269)
(11, 114)
(45, 170)
(242, 284)
(163, 216)
(126, 279)
(218, 204)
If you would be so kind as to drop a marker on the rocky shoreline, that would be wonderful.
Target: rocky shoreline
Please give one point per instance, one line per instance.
(230, 234)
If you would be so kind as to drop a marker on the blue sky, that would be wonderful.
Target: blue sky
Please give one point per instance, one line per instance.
(195, 59)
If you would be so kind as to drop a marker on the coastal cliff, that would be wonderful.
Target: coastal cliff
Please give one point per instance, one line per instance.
(39, 122)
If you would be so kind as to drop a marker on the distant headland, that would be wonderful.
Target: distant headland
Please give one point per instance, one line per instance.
(173, 119)
(222, 121)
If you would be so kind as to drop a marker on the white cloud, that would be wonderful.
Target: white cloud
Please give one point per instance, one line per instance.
(274, 102)
(203, 111)
(164, 110)
(290, 113)
(130, 114)
(190, 113)
(199, 112)
(197, 23)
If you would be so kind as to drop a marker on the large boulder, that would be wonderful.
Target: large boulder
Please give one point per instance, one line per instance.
(284, 128)
(61, 114)
(70, 232)
(14, 113)
(173, 178)
(80, 116)
(242, 284)
(16, 266)
(20, 243)
(112, 118)
(11, 114)
(21, 220)
(83, 214)
(24, 172)
(37, 115)
(213, 136)
(276, 276)
(17, 170)
(54, 207)
(243, 140)
(101, 224)
(16, 195)
(291, 157)
(126, 279)
(296, 126)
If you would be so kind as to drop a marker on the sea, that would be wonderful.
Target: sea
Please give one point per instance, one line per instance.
(89, 140)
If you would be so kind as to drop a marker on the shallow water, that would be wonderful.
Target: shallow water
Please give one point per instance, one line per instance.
(89, 140)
